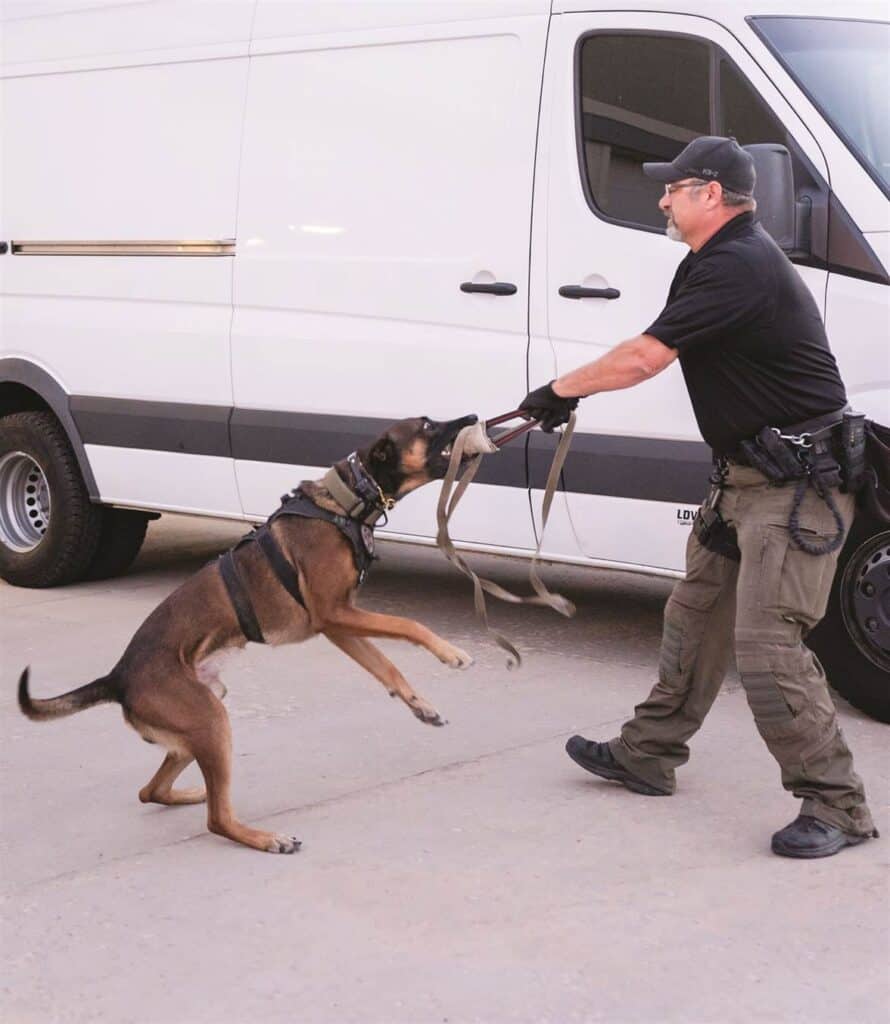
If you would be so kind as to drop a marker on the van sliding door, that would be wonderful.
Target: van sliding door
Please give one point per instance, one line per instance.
(376, 181)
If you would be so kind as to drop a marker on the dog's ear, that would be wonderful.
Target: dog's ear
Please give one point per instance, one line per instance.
(384, 451)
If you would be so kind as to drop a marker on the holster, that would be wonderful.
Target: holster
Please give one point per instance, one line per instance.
(715, 534)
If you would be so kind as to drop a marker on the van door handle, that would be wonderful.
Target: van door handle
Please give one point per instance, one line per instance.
(495, 288)
(576, 291)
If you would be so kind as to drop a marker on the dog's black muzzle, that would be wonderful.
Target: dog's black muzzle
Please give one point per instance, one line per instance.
(445, 436)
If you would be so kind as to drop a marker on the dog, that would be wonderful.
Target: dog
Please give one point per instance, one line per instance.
(167, 681)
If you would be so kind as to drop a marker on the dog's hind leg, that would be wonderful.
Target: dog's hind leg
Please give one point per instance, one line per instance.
(376, 662)
(211, 743)
(159, 790)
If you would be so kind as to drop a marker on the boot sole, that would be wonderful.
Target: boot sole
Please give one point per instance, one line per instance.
(828, 850)
(617, 775)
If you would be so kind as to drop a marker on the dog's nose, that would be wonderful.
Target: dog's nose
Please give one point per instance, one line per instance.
(468, 421)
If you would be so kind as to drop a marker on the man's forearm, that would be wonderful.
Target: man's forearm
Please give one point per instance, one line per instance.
(629, 363)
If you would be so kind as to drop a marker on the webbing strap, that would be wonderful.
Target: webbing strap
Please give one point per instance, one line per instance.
(240, 599)
(286, 573)
(445, 510)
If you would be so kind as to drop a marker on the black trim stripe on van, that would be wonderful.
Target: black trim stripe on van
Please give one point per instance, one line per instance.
(622, 467)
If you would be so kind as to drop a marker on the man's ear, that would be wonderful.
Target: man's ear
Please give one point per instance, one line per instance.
(383, 450)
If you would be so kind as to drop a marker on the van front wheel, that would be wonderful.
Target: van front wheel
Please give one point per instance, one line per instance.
(49, 528)
(853, 640)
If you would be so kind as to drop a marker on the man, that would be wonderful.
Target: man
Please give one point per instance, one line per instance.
(754, 355)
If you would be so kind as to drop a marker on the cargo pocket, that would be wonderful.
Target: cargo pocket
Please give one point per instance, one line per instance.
(795, 584)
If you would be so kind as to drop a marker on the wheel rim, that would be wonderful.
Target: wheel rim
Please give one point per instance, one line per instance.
(865, 603)
(24, 502)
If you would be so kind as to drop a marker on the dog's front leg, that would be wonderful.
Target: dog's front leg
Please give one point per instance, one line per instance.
(358, 622)
(376, 662)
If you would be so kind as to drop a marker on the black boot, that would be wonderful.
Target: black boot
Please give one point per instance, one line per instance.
(808, 837)
(597, 758)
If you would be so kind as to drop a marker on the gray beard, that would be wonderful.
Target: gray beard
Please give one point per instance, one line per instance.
(672, 231)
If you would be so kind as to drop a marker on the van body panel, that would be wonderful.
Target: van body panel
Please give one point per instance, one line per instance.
(44, 36)
(138, 328)
(859, 325)
(196, 485)
(361, 215)
(292, 25)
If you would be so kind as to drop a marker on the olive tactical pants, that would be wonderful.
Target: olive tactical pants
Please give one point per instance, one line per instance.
(766, 603)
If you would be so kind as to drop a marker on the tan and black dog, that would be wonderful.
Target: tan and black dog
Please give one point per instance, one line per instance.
(167, 681)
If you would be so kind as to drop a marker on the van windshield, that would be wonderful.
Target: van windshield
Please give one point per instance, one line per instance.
(843, 67)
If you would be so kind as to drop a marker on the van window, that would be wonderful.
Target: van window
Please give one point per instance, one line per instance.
(689, 88)
(744, 115)
(642, 98)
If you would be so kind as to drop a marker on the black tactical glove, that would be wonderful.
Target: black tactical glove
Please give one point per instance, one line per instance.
(545, 405)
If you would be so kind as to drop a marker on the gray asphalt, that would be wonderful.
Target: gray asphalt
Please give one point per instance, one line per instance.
(470, 873)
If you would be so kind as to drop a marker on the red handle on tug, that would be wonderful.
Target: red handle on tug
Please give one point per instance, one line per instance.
(511, 435)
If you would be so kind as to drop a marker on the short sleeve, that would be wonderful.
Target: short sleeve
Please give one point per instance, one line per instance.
(719, 295)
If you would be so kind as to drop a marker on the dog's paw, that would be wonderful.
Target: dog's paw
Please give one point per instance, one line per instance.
(456, 658)
(426, 712)
(283, 844)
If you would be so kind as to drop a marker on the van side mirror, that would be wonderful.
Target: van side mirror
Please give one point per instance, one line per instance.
(778, 210)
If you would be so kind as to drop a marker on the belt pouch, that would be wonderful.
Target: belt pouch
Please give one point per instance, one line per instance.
(874, 497)
(852, 453)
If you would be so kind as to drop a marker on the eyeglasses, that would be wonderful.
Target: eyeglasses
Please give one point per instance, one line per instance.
(669, 190)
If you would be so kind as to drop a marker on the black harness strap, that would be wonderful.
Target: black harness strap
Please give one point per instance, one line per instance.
(240, 599)
(359, 535)
(286, 573)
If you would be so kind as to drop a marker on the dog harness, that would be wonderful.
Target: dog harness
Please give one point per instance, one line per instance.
(363, 509)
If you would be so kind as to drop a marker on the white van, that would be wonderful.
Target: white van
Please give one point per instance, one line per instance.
(240, 236)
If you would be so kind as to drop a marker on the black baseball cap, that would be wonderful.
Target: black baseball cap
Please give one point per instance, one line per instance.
(711, 158)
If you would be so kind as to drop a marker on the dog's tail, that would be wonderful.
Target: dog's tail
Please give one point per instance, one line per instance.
(99, 691)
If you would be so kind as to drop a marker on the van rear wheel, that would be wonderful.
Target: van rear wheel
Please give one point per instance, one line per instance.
(49, 528)
(121, 537)
(853, 640)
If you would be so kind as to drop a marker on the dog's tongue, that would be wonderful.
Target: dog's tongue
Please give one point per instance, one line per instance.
(472, 440)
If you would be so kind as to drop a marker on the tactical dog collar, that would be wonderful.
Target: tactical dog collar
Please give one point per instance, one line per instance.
(367, 503)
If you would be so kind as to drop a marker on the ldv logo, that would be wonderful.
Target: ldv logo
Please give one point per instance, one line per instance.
(685, 516)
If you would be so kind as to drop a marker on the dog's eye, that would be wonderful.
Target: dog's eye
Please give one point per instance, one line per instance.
(427, 424)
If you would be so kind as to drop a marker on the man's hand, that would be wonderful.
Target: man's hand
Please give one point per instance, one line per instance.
(545, 405)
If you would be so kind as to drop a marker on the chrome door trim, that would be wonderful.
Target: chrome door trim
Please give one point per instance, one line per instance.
(117, 247)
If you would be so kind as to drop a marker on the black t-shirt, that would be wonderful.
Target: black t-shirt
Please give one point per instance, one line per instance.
(752, 344)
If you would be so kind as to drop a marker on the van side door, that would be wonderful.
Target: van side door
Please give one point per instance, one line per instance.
(620, 89)
(384, 225)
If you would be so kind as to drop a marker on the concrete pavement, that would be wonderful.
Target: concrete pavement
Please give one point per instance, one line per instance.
(464, 874)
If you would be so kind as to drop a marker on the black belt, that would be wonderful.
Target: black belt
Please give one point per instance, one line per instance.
(820, 432)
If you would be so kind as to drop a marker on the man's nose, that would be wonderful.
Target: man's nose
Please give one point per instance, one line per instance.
(664, 204)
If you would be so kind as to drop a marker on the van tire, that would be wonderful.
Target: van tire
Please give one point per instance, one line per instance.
(39, 472)
(856, 661)
(122, 533)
